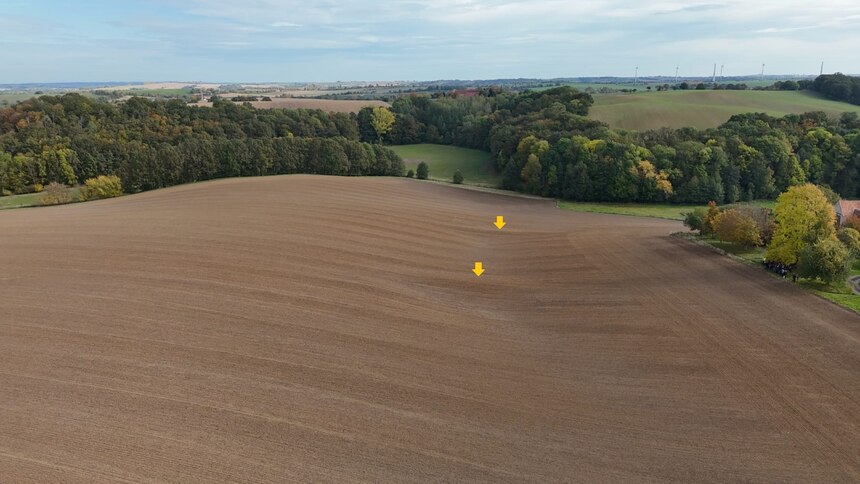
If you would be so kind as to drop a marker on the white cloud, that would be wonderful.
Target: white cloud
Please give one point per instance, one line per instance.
(440, 38)
(779, 30)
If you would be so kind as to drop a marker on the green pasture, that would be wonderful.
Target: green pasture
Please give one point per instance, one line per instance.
(477, 167)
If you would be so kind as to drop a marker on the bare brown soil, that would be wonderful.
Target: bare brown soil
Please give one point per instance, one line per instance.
(332, 105)
(330, 329)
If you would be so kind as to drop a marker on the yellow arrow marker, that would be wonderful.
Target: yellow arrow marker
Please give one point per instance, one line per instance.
(500, 222)
(479, 268)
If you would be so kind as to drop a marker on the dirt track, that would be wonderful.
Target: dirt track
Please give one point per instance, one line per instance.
(329, 329)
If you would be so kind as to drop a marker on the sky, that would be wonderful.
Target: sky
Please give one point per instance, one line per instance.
(369, 40)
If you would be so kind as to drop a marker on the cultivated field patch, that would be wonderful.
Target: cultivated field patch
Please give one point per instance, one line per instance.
(310, 328)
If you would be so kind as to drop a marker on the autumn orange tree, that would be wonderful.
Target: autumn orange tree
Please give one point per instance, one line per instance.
(737, 228)
(710, 215)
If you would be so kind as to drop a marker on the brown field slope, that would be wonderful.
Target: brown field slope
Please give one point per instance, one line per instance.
(331, 105)
(329, 329)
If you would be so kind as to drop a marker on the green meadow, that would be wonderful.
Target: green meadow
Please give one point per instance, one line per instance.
(703, 109)
(477, 167)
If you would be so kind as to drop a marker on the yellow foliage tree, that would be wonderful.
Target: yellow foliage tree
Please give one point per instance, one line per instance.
(710, 215)
(654, 184)
(382, 121)
(102, 187)
(803, 216)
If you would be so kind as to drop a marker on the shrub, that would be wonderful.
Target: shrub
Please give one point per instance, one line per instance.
(737, 228)
(695, 220)
(102, 187)
(825, 259)
(38, 187)
(410, 174)
(702, 219)
(458, 177)
(850, 238)
(6, 192)
(56, 194)
(763, 218)
(423, 171)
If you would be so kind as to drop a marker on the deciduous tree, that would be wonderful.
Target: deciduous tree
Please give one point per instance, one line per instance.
(531, 175)
(737, 228)
(803, 217)
(458, 178)
(422, 171)
(382, 120)
(825, 259)
(851, 239)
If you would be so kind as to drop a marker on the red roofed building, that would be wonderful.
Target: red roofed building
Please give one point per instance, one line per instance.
(846, 209)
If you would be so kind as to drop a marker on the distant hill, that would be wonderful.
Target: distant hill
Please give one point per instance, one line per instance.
(62, 85)
(703, 109)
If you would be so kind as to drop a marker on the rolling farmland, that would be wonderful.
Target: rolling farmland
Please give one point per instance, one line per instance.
(326, 329)
(703, 109)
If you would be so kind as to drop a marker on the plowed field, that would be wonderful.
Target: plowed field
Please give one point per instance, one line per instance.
(308, 328)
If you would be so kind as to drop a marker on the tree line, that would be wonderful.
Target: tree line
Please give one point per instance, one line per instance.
(545, 144)
(151, 144)
(838, 87)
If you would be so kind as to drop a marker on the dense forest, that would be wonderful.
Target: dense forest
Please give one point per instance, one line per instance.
(153, 144)
(838, 87)
(543, 143)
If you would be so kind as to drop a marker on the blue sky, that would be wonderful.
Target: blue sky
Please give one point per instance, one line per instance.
(327, 40)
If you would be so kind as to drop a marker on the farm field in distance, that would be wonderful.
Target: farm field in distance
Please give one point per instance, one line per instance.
(477, 167)
(30, 199)
(258, 327)
(703, 109)
(657, 210)
(12, 97)
(332, 105)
